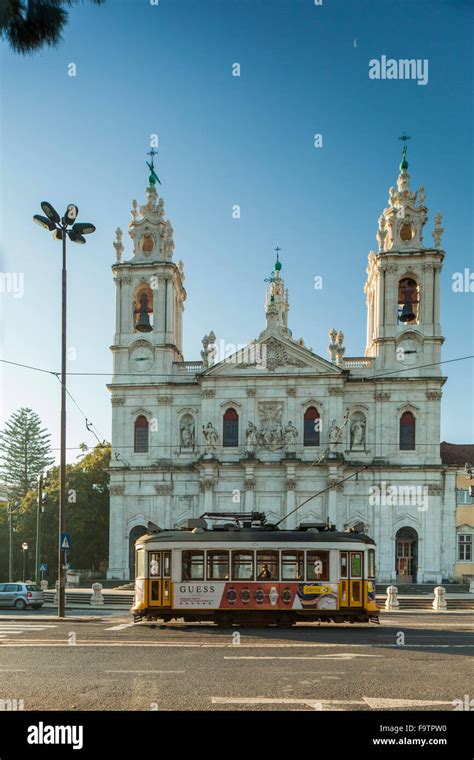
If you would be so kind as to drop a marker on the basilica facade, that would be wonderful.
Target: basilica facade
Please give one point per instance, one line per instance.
(275, 427)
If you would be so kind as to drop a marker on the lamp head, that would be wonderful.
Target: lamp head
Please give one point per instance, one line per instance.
(50, 212)
(44, 222)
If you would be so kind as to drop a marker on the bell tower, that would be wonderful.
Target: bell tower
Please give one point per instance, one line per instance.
(403, 283)
(150, 293)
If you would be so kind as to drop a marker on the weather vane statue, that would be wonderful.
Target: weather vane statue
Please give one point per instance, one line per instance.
(153, 178)
(404, 162)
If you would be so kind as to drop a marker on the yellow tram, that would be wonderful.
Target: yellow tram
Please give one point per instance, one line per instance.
(246, 571)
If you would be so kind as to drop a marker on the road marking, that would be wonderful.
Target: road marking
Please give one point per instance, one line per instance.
(380, 703)
(374, 703)
(316, 704)
(335, 656)
(145, 672)
(196, 645)
(31, 626)
(119, 627)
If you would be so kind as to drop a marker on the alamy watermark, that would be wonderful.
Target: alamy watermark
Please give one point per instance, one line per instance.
(394, 496)
(405, 68)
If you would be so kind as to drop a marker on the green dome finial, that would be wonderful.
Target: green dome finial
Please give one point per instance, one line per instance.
(153, 178)
(404, 162)
(277, 262)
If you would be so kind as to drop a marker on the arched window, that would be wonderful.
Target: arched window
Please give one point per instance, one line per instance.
(407, 431)
(141, 435)
(408, 301)
(311, 427)
(230, 432)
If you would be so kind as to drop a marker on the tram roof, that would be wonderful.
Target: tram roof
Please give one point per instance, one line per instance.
(250, 535)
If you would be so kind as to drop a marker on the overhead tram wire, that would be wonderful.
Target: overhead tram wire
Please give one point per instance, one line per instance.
(90, 425)
(161, 374)
(328, 488)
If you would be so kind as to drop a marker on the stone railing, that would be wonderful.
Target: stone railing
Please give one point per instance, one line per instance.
(359, 362)
(192, 368)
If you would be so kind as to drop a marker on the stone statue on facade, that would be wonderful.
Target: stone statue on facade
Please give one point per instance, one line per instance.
(211, 435)
(358, 432)
(251, 438)
(334, 435)
(290, 434)
(187, 433)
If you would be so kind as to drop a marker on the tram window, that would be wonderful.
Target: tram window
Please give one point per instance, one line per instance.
(154, 564)
(140, 563)
(217, 566)
(343, 564)
(267, 565)
(371, 563)
(292, 566)
(356, 565)
(166, 564)
(242, 566)
(317, 566)
(193, 566)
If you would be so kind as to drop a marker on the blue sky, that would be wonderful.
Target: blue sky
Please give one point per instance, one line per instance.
(167, 69)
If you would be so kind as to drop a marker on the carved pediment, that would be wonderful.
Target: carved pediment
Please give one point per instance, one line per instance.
(273, 355)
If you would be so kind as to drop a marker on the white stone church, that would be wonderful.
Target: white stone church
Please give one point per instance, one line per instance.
(275, 424)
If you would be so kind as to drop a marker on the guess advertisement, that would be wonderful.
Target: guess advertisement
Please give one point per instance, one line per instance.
(198, 595)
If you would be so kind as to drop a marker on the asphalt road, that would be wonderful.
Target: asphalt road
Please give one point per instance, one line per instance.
(411, 661)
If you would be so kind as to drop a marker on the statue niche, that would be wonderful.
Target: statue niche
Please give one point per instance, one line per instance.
(187, 433)
(357, 432)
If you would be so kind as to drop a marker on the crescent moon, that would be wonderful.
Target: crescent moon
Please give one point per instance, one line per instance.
(355, 42)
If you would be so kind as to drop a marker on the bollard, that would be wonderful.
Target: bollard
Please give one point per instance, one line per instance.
(55, 599)
(439, 601)
(97, 598)
(391, 602)
(44, 585)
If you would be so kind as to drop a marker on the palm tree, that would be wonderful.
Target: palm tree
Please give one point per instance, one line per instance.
(28, 25)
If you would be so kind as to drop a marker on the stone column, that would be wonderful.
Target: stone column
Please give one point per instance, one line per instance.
(118, 547)
(333, 480)
(426, 296)
(249, 502)
(292, 521)
(126, 290)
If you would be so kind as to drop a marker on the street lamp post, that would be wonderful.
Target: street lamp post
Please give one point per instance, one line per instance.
(24, 547)
(42, 483)
(59, 227)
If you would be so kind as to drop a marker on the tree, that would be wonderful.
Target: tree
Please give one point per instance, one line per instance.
(28, 25)
(25, 451)
(87, 497)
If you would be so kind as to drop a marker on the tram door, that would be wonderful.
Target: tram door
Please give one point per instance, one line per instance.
(351, 589)
(159, 568)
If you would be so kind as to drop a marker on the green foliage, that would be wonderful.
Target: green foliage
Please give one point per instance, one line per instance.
(87, 497)
(25, 451)
(28, 25)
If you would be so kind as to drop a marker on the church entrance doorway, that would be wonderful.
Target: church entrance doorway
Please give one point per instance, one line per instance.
(406, 555)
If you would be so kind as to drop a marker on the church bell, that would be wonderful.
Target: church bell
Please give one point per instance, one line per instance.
(143, 322)
(408, 314)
